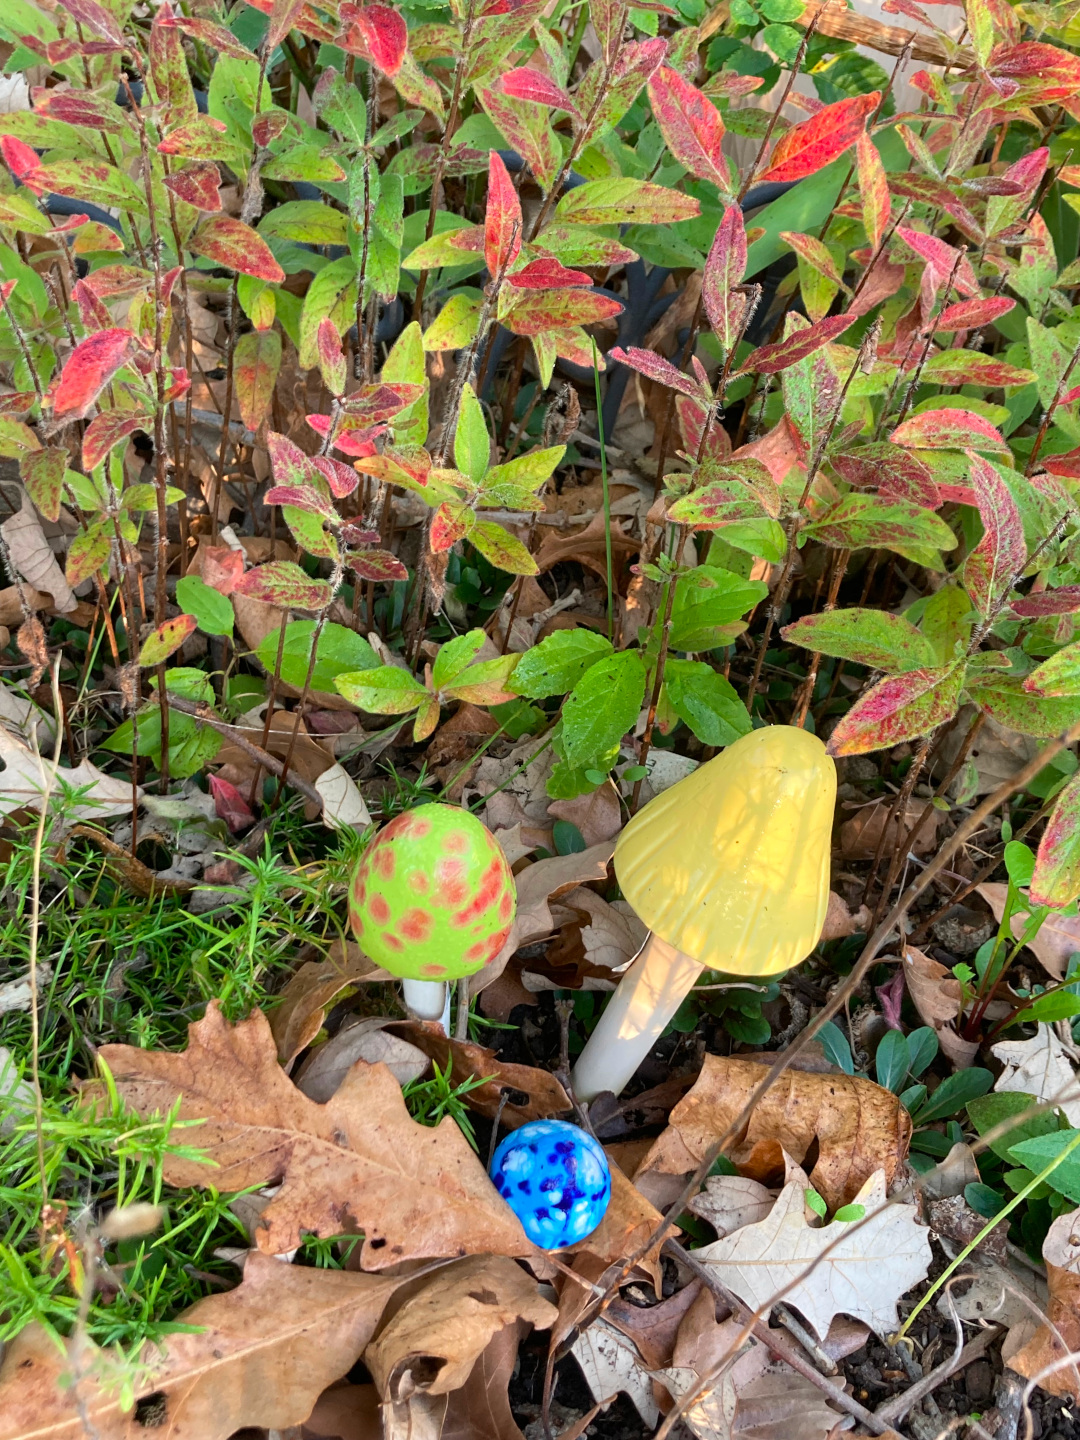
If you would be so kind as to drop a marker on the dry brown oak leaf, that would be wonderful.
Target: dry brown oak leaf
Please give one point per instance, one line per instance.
(858, 1126)
(1050, 1355)
(266, 1352)
(359, 1162)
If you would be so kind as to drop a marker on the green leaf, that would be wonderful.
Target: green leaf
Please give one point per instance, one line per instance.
(340, 650)
(1005, 698)
(1060, 1005)
(167, 638)
(386, 690)
(331, 295)
(455, 656)
(874, 638)
(213, 611)
(847, 1214)
(707, 601)
(922, 1047)
(989, 1111)
(1060, 675)
(472, 448)
(557, 664)
(1019, 862)
(706, 702)
(836, 1046)
(602, 707)
(892, 1061)
(953, 1094)
(1038, 1152)
(567, 837)
(502, 549)
(307, 222)
(815, 1202)
(456, 323)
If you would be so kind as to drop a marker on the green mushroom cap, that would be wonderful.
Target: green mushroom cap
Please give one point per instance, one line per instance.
(434, 897)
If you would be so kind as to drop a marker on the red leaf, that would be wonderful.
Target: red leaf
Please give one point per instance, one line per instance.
(283, 583)
(106, 431)
(377, 565)
(817, 142)
(943, 261)
(948, 429)
(229, 242)
(372, 404)
(902, 707)
(891, 470)
(873, 188)
(18, 157)
(382, 35)
(90, 367)
(768, 359)
(724, 269)
(222, 567)
(973, 314)
(647, 362)
(1065, 601)
(557, 309)
(449, 524)
(996, 563)
(257, 362)
(530, 84)
(502, 220)
(230, 805)
(331, 357)
(1056, 880)
(691, 125)
(1057, 70)
(1067, 465)
(342, 479)
(288, 463)
(301, 497)
(197, 184)
(547, 273)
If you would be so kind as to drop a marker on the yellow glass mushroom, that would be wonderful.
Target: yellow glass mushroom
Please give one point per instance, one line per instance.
(730, 871)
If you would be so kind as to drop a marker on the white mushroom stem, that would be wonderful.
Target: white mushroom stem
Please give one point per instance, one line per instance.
(636, 1016)
(428, 1000)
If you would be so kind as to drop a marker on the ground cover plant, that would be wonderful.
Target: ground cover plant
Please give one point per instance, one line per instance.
(517, 406)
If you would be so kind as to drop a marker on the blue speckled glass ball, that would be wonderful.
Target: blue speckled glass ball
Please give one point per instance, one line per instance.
(556, 1180)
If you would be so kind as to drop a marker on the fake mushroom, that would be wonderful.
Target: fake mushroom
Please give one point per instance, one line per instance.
(730, 870)
(432, 900)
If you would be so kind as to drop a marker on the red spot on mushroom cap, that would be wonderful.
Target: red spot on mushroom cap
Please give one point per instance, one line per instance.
(436, 971)
(416, 925)
(506, 905)
(419, 882)
(456, 841)
(477, 951)
(383, 861)
(380, 910)
(491, 884)
(393, 942)
(450, 889)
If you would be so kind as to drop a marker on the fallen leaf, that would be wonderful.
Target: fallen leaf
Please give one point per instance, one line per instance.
(545, 1097)
(728, 1202)
(537, 884)
(439, 1332)
(628, 1222)
(750, 1398)
(25, 780)
(996, 753)
(937, 996)
(597, 815)
(857, 1126)
(515, 786)
(358, 1161)
(323, 1071)
(858, 1267)
(610, 1363)
(1058, 939)
(1059, 1338)
(343, 805)
(32, 556)
(480, 1409)
(589, 547)
(299, 1016)
(262, 1355)
(346, 1412)
(860, 836)
(1040, 1067)
(654, 1329)
(840, 922)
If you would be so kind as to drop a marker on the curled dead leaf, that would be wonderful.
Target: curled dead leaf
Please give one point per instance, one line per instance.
(858, 1127)
(1050, 1354)
(306, 998)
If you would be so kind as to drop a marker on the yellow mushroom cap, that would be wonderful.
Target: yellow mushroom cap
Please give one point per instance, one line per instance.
(731, 865)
